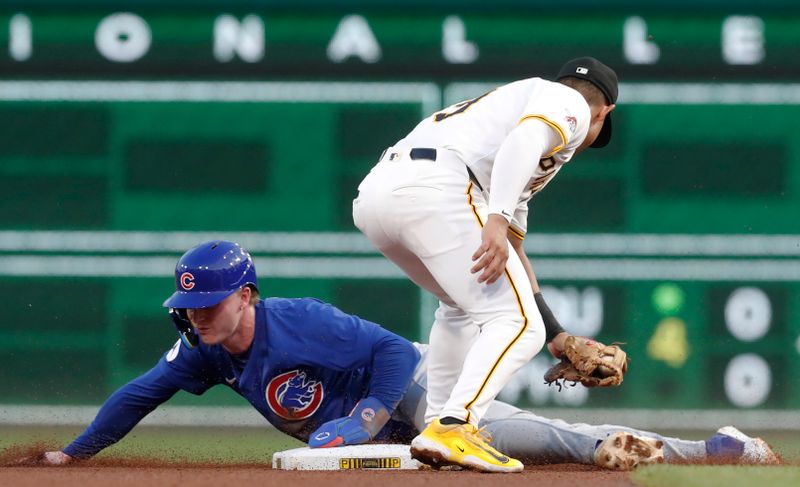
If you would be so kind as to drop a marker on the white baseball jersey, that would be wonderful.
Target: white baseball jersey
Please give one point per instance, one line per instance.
(476, 130)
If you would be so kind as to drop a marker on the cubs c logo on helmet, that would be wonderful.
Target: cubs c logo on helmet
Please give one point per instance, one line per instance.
(187, 281)
(293, 396)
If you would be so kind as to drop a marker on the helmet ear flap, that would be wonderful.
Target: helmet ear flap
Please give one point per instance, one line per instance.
(184, 326)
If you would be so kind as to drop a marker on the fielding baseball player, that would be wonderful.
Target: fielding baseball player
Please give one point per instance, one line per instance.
(330, 379)
(449, 205)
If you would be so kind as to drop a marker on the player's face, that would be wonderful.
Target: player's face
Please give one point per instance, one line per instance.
(219, 322)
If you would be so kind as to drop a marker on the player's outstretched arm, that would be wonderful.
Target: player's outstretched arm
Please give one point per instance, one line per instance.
(120, 413)
(359, 343)
(394, 360)
(555, 335)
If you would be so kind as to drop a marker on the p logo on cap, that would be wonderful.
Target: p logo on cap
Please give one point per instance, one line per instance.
(581, 70)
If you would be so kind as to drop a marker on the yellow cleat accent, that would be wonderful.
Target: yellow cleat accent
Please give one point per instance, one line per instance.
(460, 444)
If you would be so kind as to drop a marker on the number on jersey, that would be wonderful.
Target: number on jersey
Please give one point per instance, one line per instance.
(459, 107)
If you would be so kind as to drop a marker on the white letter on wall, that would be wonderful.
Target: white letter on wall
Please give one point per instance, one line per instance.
(743, 40)
(456, 48)
(122, 37)
(20, 37)
(232, 37)
(637, 47)
(353, 37)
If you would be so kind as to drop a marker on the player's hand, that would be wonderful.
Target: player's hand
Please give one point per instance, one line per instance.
(556, 346)
(360, 426)
(56, 458)
(492, 255)
(45, 459)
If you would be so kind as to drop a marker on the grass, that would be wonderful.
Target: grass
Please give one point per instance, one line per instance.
(181, 444)
(787, 444)
(716, 476)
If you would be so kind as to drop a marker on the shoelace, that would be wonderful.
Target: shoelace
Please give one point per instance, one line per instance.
(484, 435)
(482, 439)
(481, 434)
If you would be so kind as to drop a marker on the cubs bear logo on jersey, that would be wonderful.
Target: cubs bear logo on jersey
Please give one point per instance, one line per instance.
(293, 396)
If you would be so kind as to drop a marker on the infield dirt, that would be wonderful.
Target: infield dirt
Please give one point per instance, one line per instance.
(106, 475)
(153, 472)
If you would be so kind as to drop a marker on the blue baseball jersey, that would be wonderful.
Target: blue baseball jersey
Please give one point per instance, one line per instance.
(309, 363)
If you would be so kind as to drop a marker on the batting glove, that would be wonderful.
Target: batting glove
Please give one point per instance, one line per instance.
(360, 426)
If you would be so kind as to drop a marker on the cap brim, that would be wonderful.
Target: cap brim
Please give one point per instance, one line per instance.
(604, 137)
(180, 299)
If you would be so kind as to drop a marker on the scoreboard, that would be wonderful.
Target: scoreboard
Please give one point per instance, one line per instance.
(136, 130)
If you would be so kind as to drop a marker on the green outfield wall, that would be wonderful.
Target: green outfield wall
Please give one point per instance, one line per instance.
(129, 139)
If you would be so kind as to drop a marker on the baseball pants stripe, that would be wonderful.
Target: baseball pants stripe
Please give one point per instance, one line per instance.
(468, 406)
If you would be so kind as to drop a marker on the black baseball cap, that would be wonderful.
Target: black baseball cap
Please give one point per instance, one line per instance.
(601, 76)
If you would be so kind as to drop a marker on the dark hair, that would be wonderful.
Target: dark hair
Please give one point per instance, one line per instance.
(592, 94)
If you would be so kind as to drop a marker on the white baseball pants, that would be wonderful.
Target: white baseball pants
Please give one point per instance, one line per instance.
(426, 217)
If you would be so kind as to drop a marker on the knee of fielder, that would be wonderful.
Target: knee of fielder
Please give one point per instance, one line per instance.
(522, 334)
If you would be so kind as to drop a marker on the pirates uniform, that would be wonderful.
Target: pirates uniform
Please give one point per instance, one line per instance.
(424, 204)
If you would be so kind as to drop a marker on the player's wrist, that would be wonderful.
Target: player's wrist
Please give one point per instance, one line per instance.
(372, 413)
(551, 325)
(502, 215)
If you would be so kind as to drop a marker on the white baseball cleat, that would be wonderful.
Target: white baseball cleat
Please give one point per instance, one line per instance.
(625, 451)
(730, 444)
